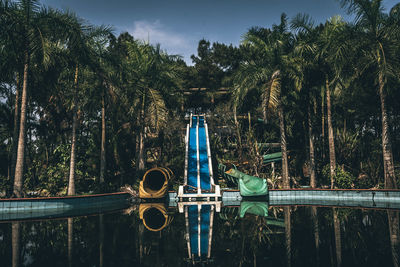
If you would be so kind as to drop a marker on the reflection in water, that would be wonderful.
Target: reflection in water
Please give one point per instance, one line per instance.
(338, 241)
(199, 221)
(101, 239)
(288, 235)
(314, 217)
(141, 243)
(255, 208)
(154, 216)
(394, 232)
(248, 234)
(16, 243)
(70, 239)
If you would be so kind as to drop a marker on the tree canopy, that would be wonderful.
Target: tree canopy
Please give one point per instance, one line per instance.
(84, 110)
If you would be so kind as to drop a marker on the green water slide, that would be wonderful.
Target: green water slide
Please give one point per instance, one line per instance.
(249, 186)
(272, 157)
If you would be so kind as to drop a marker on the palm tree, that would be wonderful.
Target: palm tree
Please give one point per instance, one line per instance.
(331, 55)
(80, 40)
(377, 36)
(302, 69)
(152, 76)
(29, 24)
(103, 137)
(11, 68)
(267, 71)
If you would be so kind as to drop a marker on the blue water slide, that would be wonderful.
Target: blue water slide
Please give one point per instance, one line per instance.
(192, 158)
(201, 121)
(194, 121)
(203, 157)
(205, 183)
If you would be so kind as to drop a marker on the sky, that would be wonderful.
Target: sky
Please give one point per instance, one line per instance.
(178, 25)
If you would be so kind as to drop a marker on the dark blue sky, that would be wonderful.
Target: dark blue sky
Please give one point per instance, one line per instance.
(178, 25)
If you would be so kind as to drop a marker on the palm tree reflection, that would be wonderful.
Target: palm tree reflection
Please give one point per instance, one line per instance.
(394, 231)
(70, 240)
(16, 242)
(288, 235)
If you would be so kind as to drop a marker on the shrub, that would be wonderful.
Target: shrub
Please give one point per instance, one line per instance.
(343, 179)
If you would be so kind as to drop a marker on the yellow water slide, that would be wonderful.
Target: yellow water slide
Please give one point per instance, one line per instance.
(155, 183)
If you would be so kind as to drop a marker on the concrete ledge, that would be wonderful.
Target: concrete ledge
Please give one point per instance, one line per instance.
(337, 197)
(324, 197)
(34, 207)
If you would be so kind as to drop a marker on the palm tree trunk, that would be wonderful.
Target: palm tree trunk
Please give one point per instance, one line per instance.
(266, 98)
(239, 137)
(141, 159)
(71, 183)
(332, 157)
(118, 161)
(323, 125)
(141, 152)
(285, 167)
(264, 106)
(103, 139)
(19, 166)
(15, 130)
(390, 179)
(338, 241)
(313, 182)
(394, 231)
(16, 243)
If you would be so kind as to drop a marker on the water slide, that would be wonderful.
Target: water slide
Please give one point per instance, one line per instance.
(198, 181)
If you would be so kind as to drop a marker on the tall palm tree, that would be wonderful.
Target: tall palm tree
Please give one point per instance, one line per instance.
(302, 71)
(152, 76)
(30, 24)
(103, 137)
(80, 40)
(267, 71)
(10, 67)
(377, 36)
(331, 56)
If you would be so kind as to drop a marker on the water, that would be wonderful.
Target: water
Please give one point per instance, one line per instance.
(286, 236)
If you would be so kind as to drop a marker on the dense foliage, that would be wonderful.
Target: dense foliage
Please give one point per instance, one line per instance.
(82, 108)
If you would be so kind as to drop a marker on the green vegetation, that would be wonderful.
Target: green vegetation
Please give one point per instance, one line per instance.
(82, 110)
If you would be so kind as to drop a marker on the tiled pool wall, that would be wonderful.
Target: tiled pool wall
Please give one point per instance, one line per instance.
(363, 198)
(60, 205)
(351, 198)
